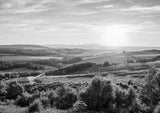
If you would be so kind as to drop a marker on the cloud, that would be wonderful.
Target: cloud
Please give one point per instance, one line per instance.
(91, 1)
(81, 13)
(141, 9)
(150, 27)
(26, 6)
(108, 6)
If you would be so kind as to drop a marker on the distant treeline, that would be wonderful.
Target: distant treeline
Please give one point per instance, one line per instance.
(40, 52)
(156, 58)
(14, 65)
(71, 69)
(8, 76)
(37, 64)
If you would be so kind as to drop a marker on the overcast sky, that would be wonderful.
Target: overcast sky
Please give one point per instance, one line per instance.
(78, 21)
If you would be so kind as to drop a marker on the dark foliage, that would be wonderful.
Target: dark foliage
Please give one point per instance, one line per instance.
(14, 90)
(3, 88)
(6, 65)
(106, 64)
(98, 95)
(24, 100)
(150, 93)
(65, 98)
(71, 69)
(36, 106)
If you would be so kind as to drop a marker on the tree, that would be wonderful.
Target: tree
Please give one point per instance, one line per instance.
(66, 97)
(106, 64)
(14, 90)
(98, 95)
(150, 93)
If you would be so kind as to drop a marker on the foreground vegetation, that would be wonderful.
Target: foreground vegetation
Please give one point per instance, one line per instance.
(100, 95)
(74, 85)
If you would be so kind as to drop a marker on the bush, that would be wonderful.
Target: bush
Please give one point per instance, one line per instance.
(98, 95)
(150, 93)
(2, 88)
(106, 64)
(52, 97)
(66, 97)
(24, 100)
(45, 102)
(36, 106)
(14, 90)
(124, 99)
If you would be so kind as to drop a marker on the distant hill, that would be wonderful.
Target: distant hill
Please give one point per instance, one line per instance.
(149, 51)
(83, 46)
(25, 46)
(37, 50)
(98, 46)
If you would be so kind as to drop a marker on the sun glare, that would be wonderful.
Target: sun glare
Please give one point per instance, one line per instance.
(115, 35)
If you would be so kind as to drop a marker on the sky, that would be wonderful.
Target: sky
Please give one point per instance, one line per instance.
(104, 22)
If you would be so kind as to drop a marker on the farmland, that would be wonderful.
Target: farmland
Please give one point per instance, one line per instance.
(72, 70)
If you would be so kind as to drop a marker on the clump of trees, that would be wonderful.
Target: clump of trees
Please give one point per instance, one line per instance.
(8, 65)
(102, 95)
(106, 64)
(65, 97)
(7, 76)
(24, 100)
(36, 106)
(150, 93)
(98, 95)
(71, 69)
(14, 90)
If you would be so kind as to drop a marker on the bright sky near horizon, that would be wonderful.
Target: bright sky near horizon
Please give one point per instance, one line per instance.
(107, 22)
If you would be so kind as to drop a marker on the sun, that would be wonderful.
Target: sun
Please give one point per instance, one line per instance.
(115, 35)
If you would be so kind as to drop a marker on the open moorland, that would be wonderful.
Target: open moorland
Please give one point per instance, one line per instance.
(47, 79)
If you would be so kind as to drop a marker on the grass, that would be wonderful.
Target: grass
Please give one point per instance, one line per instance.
(12, 109)
(22, 58)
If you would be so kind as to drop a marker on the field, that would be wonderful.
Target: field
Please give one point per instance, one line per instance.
(74, 68)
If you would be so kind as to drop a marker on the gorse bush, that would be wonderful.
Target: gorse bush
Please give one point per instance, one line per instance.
(65, 97)
(52, 97)
(150, 93)
(45, 102)
(24, 100)
(14, 90)
(36, 106)
(106, 64)
(98, 95)
(124, 99)
(3, 88)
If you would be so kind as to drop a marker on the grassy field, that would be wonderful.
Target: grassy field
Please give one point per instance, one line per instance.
(22, 58)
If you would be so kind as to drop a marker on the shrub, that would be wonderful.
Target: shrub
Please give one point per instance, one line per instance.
(45, 102)
(2, 88)
(14, 90)
(36, 106)
(124, 98)
(52, 97)
(150, 93)
(106, 64)
(66, 97)
(24, 100)
(98, 95)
